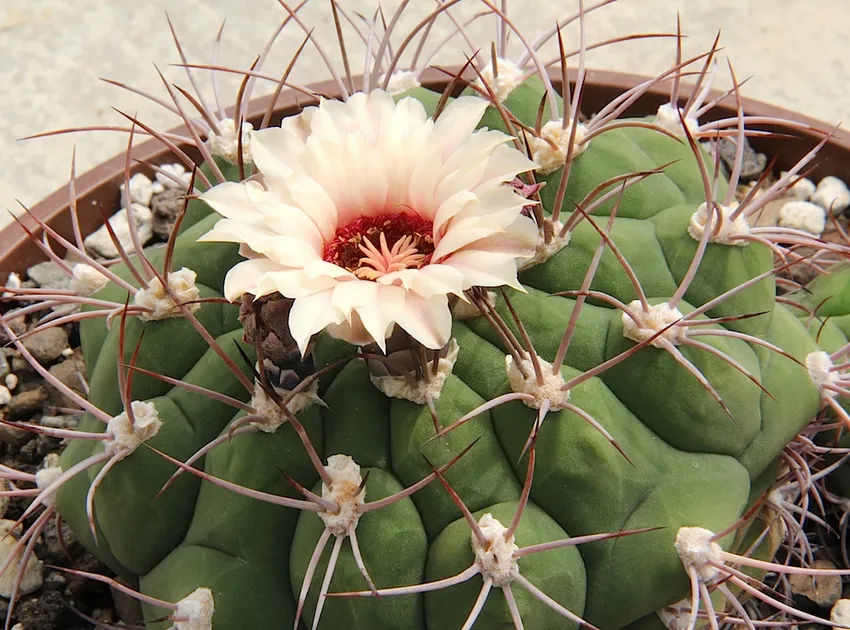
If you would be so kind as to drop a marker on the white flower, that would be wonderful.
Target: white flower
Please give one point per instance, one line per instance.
(368, 215)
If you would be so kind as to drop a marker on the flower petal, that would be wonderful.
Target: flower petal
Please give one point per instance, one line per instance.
(485, 269)
(243, 277)
(311, 314)
(457, 121)
(429, 321)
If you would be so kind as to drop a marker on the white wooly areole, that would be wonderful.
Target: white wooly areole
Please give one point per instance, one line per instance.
(551, 148)
(728, 228)
(831, 375)
(158, 302)
(224, 142)
(709, 567)
(502, 76)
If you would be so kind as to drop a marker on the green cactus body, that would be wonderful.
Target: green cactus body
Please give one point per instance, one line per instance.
(689, 461)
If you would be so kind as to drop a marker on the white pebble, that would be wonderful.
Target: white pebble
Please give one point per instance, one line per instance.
(5, 395)
(802, 190)
(32, 570)
(11, 381)
(175, 170)
(140, 189)
(832, 193)
(803, 215)
(840, 614)
(101, 243)
(12, 282)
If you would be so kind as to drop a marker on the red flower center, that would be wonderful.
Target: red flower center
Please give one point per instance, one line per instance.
(371, 247)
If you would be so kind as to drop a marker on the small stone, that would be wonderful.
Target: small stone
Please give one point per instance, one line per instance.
(141, 189)
(752, 165)
(166, 207)
(803, 188)
(11, 381)
(13, 281)
(55, 581)
(26, 404)
(32, 571)
(18, 326)
(823, 590)
(4, 500)
(20, 365)
(100, 242)
(832, 194)
(803, 215)
(840, 614)
(103, 615)
(768, 215)
(5, 395)
(4, 366)
(18, 626)
(70, 372)
(47, 346)
(128, 609)
(49, 275)
(59, 422)
(175, 170)
(10, 434)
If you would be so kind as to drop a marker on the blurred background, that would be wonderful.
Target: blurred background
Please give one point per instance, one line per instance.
(53, 52)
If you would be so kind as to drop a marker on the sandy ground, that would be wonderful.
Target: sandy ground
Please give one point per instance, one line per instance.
(52, 53)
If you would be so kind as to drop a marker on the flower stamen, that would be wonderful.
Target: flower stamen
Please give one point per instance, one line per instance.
(363, 247)
(403, 255)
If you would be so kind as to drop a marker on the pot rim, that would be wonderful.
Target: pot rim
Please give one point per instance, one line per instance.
(99, 184)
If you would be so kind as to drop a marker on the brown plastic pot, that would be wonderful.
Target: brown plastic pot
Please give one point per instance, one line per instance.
(100, 184)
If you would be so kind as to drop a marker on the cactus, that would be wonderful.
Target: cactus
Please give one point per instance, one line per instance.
(595, 377)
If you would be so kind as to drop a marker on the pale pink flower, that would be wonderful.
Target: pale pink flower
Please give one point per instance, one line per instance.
(369, 215)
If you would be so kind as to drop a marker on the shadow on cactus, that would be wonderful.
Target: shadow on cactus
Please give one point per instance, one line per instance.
(450, 359)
